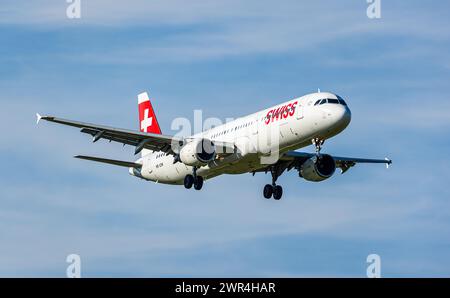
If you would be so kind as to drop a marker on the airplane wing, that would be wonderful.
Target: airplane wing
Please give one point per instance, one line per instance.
(294, 159)
(138, 139)
(344, 163)
(121, 163)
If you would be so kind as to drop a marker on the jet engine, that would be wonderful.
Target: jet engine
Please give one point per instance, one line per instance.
(318, 168)
(197, 153)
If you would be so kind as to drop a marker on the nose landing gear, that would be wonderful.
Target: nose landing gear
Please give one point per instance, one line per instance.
(318, 143)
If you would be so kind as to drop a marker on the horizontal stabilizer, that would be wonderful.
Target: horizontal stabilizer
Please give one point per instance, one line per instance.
(110, 161)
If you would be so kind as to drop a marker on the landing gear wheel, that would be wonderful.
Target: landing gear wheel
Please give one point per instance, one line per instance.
(277, 192)
(198, 183)
(268, 190)
(274, 190)
(188, 181)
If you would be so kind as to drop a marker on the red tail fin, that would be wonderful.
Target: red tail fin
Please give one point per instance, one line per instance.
(147, 116)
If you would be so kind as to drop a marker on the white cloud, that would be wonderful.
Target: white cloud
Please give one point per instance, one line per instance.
(228, 28)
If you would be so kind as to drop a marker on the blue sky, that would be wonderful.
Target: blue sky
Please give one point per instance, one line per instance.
(228, 58)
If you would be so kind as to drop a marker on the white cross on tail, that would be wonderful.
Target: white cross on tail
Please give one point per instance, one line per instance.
(146, 122)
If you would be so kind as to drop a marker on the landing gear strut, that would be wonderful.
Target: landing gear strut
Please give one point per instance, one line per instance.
(318, 143)
(273, 190)
(193, 179)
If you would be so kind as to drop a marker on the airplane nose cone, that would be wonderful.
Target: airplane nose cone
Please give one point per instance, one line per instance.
(341, 116)
(345, 117)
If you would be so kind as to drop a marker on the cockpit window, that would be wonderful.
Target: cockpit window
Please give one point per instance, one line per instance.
(330, 100)
(341, 100)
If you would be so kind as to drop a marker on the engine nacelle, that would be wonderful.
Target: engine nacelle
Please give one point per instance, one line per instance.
(318, 168)
(197, 153)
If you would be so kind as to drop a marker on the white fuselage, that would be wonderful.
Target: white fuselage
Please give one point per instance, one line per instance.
(297, 122)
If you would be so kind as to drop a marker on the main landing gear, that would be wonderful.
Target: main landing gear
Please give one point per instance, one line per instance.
(274, 190)
(196, 181)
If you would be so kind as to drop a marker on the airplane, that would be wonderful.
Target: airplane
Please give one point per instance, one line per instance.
(236, 147)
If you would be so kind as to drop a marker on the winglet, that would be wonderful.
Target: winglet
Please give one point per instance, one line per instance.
(38, 118)
(388, 162)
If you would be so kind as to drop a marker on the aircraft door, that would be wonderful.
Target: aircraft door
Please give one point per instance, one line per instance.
(255, 125)
(300, 110)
